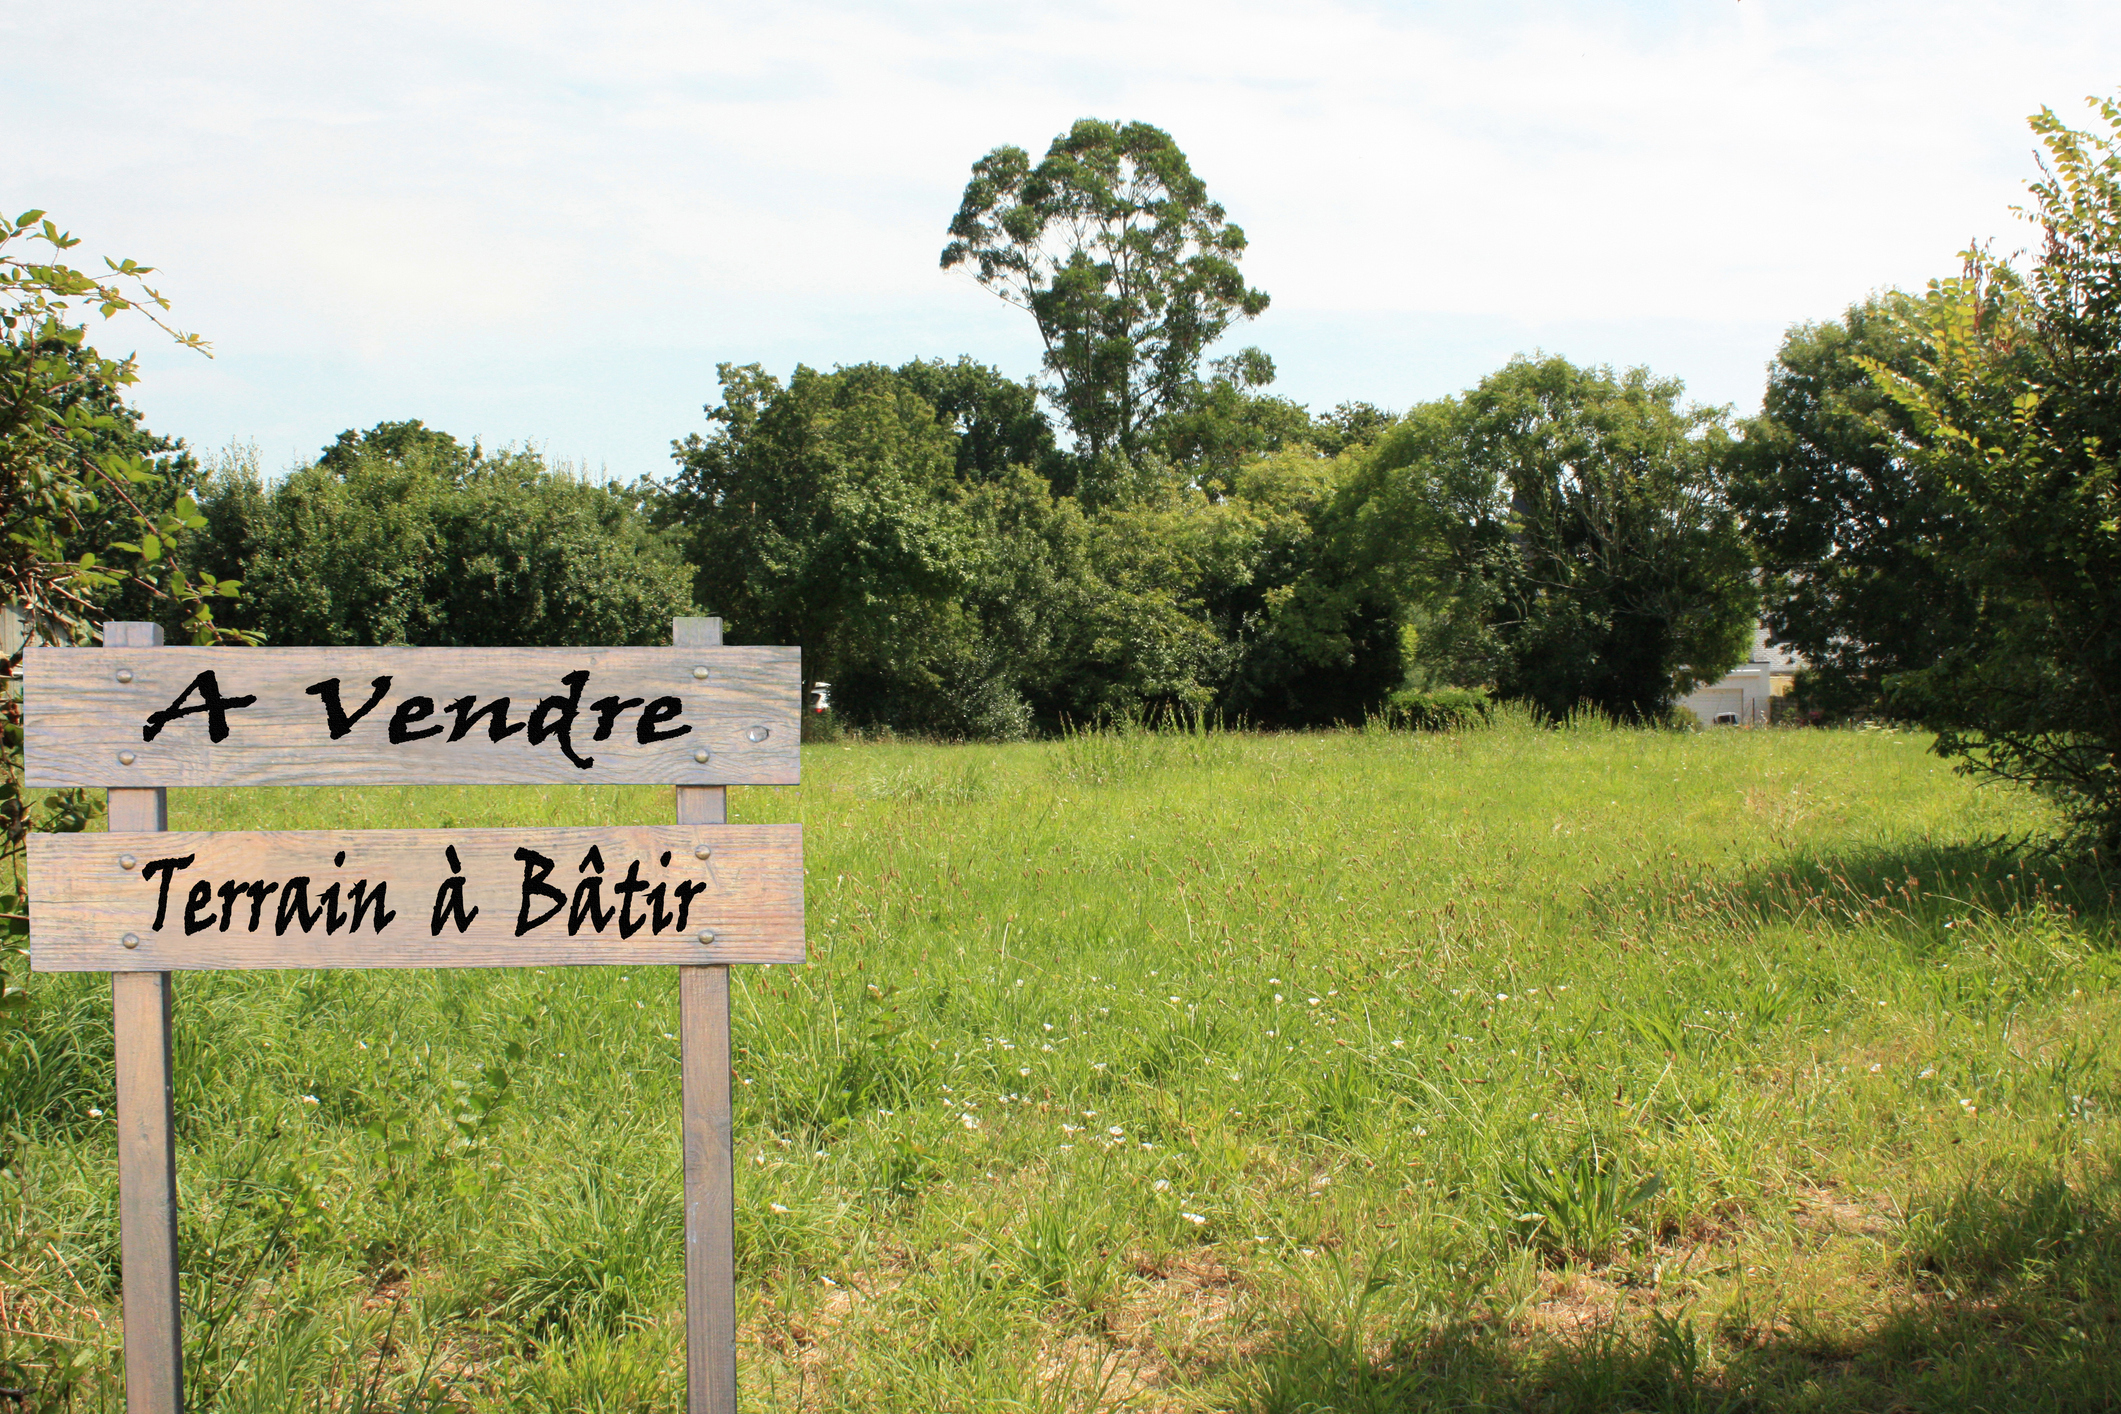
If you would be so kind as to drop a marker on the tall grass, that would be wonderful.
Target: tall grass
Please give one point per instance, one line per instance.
(1175, 1069)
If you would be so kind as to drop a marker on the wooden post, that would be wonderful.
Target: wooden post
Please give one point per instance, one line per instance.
(147, 1154)
(710, 1163)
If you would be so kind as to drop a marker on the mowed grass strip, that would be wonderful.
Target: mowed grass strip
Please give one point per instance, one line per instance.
(1516, 1068)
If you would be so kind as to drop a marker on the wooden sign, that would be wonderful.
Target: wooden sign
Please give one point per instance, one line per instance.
(142, 902)
(411, 716)
(187, 901)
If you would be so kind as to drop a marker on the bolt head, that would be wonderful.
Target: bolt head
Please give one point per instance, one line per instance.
(700, 756)
(702, 852)
(130, 940)
(125, 675)
(706, 935)
(127, 861)
(126, 758)
(700, 673)
(758, 734)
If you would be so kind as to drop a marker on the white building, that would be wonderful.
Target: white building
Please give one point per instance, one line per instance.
(1741, 697)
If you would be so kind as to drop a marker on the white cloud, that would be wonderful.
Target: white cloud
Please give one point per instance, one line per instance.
(549, 221)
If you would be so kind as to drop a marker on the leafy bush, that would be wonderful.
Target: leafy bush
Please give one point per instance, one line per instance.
(92, 531)
(1438, 709)
(1557, 534)
(2017, 398)
(1845, 514)
(403, 535)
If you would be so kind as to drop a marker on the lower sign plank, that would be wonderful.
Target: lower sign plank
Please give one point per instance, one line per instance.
(182, 901)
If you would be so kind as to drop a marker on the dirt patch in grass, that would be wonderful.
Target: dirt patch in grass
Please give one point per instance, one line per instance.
(1180, 1306)
(1829, 1210)
(1108, 1377)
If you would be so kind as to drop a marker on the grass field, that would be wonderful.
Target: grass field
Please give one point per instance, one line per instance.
(1553, 1070)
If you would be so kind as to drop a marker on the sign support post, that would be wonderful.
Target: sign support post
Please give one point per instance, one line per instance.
(147, 1150)
(710, 1166)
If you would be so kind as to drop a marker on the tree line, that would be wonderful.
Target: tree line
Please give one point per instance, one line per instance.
(1924, 508)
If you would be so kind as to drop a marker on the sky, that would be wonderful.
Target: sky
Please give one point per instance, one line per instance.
(542, 223)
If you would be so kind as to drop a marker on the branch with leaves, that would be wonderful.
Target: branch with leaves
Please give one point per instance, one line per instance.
(2016, 404)
(80, 522)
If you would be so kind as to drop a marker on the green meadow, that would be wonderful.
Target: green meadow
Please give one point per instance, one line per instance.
(1573, 1069)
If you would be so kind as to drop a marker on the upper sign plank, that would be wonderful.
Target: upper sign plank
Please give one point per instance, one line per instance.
(120, 717)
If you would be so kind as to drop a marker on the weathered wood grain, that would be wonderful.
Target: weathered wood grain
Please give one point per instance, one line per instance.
(147, 1194)
(710, 1193)
(710, 1159)
(146, 1124)
(307, 909)
(88, 710)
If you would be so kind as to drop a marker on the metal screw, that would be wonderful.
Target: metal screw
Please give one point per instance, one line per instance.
(125, 675)
(700, 673)
(126, 861)
(706, 935)
(126, 758)
(702, 852)
(700, 756)
(130, 940)
(757, 734)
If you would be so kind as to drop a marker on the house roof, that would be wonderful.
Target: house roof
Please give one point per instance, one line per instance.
(1778, 657)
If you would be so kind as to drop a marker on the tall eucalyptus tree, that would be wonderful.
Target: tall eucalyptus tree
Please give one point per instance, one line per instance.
(1112, 245)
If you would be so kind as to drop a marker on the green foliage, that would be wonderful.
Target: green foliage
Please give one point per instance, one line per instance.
(1557, 534)
(945, 593)
(1228, 422)
(1848, 520)
(403, 535)
(1348, 426)
(830, 513)
(72, 456)
(1438, 709)
(93, 525)
(1321, 642)
(399, 443)
(2017, 403)
(1113, 246)
(998, 425)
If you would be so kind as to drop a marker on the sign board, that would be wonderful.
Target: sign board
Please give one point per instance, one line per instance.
(142, 901)
(411, 716)
(182, 901)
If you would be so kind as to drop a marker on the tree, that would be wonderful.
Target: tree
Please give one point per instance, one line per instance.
(827, 513)
(400, 443)
(1845, 517)
(997, 423)
(1348, 426)
(330, 558)
(89, 512)
(91, 521)
(1558, 535)
(1228, 421)
(2016, 405)
(401, 534)
(938, 583)
(1130, 271)
(1319, 642)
